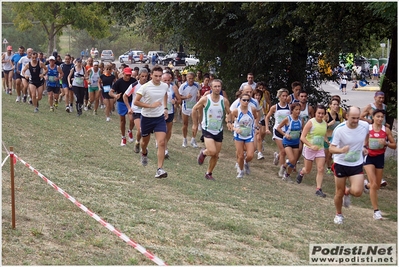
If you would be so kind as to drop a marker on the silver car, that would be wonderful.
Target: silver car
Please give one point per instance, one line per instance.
(107, 55)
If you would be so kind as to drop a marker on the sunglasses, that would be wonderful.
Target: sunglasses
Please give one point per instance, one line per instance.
(245, 100)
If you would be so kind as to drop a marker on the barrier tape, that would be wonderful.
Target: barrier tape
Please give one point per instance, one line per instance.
(4, 161)
(122, 236)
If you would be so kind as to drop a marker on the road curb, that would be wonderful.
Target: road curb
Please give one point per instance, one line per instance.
(369, 88)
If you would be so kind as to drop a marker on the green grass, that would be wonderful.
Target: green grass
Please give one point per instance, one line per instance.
(183, 219)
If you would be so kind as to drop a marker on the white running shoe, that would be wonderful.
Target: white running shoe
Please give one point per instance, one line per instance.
(240, 174)
(161, 173)
(281, 171)
(383, 183)
(275, 160)
(130, 135)
(339, 219)
(260, 155)
(377, 215)
(184, 142)
(108, 119)
(193, 143)
(246, 168)
(18, 99)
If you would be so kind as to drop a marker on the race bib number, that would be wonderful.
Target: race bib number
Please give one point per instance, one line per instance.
(79, 81)
(169, 106)
(318, 141)
(51, 78)
(374, 143)
(107, 88)
(295, 134)
(214, 125)
(352, 156)
(245, 131)
(190, 104)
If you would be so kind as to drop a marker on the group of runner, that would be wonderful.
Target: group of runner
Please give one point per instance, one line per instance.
(152, 99)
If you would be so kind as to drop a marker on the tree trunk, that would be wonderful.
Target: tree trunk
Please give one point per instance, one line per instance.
(390, 81)
(51, 41)
(298, 63)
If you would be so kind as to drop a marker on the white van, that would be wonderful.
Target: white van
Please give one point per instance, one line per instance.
(159, 55)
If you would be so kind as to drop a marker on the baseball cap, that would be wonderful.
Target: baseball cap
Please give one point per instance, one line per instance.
(127, 71)
(51, 58)
(9, 47)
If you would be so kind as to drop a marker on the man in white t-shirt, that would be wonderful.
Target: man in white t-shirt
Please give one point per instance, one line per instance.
(250, 81)
(375, 72)
(188, 93)
(152, 97)
(347, 147)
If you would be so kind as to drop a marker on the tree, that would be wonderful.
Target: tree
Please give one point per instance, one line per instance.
(55, 16)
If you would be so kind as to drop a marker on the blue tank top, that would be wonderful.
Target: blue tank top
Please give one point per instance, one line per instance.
(52, 74)
(294, 128)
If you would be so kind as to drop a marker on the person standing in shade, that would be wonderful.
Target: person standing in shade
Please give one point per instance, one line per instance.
(116, 92)
(152, 97)
(313, 137)
(215, 109)
(380, 137)
(347, 147)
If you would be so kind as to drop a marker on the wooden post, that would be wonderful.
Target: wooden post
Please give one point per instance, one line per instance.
(12, 187)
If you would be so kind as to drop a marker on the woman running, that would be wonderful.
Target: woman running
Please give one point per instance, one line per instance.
(244, 133)
(333, 118)
(281, 110)
(292, 134)
(380, 137)
(313, 137)
(105, 83)
(79, 75)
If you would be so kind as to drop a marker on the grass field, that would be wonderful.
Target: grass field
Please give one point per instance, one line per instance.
(183, 219)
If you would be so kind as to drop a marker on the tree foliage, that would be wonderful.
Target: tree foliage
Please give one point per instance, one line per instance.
(54, 17)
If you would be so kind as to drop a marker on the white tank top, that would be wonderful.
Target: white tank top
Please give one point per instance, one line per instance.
(213, 115)
(7, 66)
(280, 114)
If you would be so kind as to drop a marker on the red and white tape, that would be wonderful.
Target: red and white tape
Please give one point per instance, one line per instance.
(95, 216)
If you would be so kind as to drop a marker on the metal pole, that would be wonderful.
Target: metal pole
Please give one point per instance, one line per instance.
(12, 186)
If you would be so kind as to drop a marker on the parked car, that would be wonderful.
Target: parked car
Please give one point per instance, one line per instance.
(135, 59)
(107, 55)
(159, 55)
(176, 59)
(191, 60)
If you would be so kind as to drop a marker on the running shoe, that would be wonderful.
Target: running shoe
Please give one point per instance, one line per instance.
(201, 157)
(299, 178)
(275, 160)
(240, 174)
(89, 106)
(281, 171)
(246, 168)
(18, 99)
(339, 219)
(130, 134)
(24, 99)
(36, 110)
(67, 109)
(329, 171)
(208, 176)
(320, 193)
(123, 141)
(85, 108)
(193, 143)
(377, 215)
(161, 173)
(137, 147)
(260, 155)
(383, 183)
(166, 154)
(144, 160)
(102, 106)
(56, 103)
(286, 177)
(347, 201)
(184, 142)
(52, 109)
(108, 119)
(365, 189)
(94, 112)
